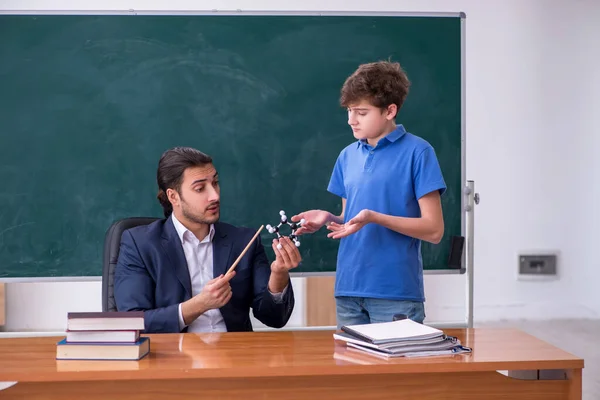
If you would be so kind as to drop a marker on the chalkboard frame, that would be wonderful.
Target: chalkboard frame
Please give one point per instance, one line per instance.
(467, 232)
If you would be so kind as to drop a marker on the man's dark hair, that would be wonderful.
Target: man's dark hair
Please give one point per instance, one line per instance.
(171, 166)
(381, 83)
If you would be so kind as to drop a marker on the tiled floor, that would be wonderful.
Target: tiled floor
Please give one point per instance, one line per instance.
(578, 337)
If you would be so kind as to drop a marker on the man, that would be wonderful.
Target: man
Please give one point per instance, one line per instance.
(175, 269)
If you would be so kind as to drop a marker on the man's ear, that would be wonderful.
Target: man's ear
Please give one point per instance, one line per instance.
(173, 197)
(391, 112)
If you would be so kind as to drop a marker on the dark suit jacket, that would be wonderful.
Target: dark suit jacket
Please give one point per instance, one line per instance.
(152, 275)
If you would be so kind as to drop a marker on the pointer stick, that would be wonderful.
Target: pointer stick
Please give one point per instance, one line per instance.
(245, 250)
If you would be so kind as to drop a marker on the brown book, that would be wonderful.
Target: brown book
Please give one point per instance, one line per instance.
(105, 321)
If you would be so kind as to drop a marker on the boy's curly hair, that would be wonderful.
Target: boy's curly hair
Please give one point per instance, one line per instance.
(381, 83)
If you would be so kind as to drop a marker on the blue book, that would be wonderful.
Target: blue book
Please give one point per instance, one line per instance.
(103, 350)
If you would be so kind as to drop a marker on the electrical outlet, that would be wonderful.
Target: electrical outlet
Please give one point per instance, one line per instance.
(537, 264)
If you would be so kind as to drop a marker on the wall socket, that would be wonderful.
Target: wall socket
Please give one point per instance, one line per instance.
(537, 264)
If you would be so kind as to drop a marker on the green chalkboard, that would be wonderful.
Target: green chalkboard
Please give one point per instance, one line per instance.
(89, 102)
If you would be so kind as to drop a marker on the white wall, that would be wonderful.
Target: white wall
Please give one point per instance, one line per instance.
(43, 306)
(532, 135)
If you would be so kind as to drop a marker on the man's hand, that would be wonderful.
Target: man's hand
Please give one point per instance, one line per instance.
(215, 294)
(339, 231)
(286, 258)
(313, 220)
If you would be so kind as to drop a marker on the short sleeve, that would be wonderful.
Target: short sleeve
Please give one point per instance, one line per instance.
(427, 175)
(336, 182)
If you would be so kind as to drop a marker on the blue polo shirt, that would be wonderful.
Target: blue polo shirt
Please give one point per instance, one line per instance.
(389, 178)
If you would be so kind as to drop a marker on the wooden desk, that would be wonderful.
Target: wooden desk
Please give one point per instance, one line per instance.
(293, 365)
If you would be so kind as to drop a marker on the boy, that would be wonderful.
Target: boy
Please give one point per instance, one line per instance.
(390, 183)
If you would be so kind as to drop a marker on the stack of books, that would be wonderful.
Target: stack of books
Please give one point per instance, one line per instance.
(402, 338)
(104, 336)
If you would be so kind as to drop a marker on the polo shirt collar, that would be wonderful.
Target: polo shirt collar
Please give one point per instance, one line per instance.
(391, 137)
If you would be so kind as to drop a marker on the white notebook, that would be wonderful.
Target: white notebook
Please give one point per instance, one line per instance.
(395, 331)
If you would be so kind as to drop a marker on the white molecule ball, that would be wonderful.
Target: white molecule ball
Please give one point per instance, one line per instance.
(281, 212)
(297, 243)
(279, 246)
(302, 221)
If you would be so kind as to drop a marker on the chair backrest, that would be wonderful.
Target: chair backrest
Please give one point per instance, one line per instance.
(112, 243)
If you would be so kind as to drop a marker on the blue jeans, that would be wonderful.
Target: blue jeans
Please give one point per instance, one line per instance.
(364, 310)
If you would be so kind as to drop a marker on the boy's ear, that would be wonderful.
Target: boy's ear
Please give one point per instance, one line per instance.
(391, 112)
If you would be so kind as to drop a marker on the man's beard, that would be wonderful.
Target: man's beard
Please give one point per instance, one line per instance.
(190, 216)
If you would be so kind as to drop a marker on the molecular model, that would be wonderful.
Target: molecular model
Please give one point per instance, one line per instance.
(293, 225)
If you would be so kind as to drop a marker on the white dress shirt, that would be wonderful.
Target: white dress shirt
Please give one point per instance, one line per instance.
(199, 257)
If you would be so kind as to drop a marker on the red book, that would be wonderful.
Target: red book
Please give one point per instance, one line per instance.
(105, 321)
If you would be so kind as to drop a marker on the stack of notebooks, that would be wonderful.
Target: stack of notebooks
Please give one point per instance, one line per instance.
(402, 338)
(104, 336)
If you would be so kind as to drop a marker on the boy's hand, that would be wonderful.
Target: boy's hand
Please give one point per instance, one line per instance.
(313, 220)
(339, 231)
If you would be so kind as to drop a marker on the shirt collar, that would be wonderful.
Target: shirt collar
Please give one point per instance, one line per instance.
(391, 137)
(185, 234)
